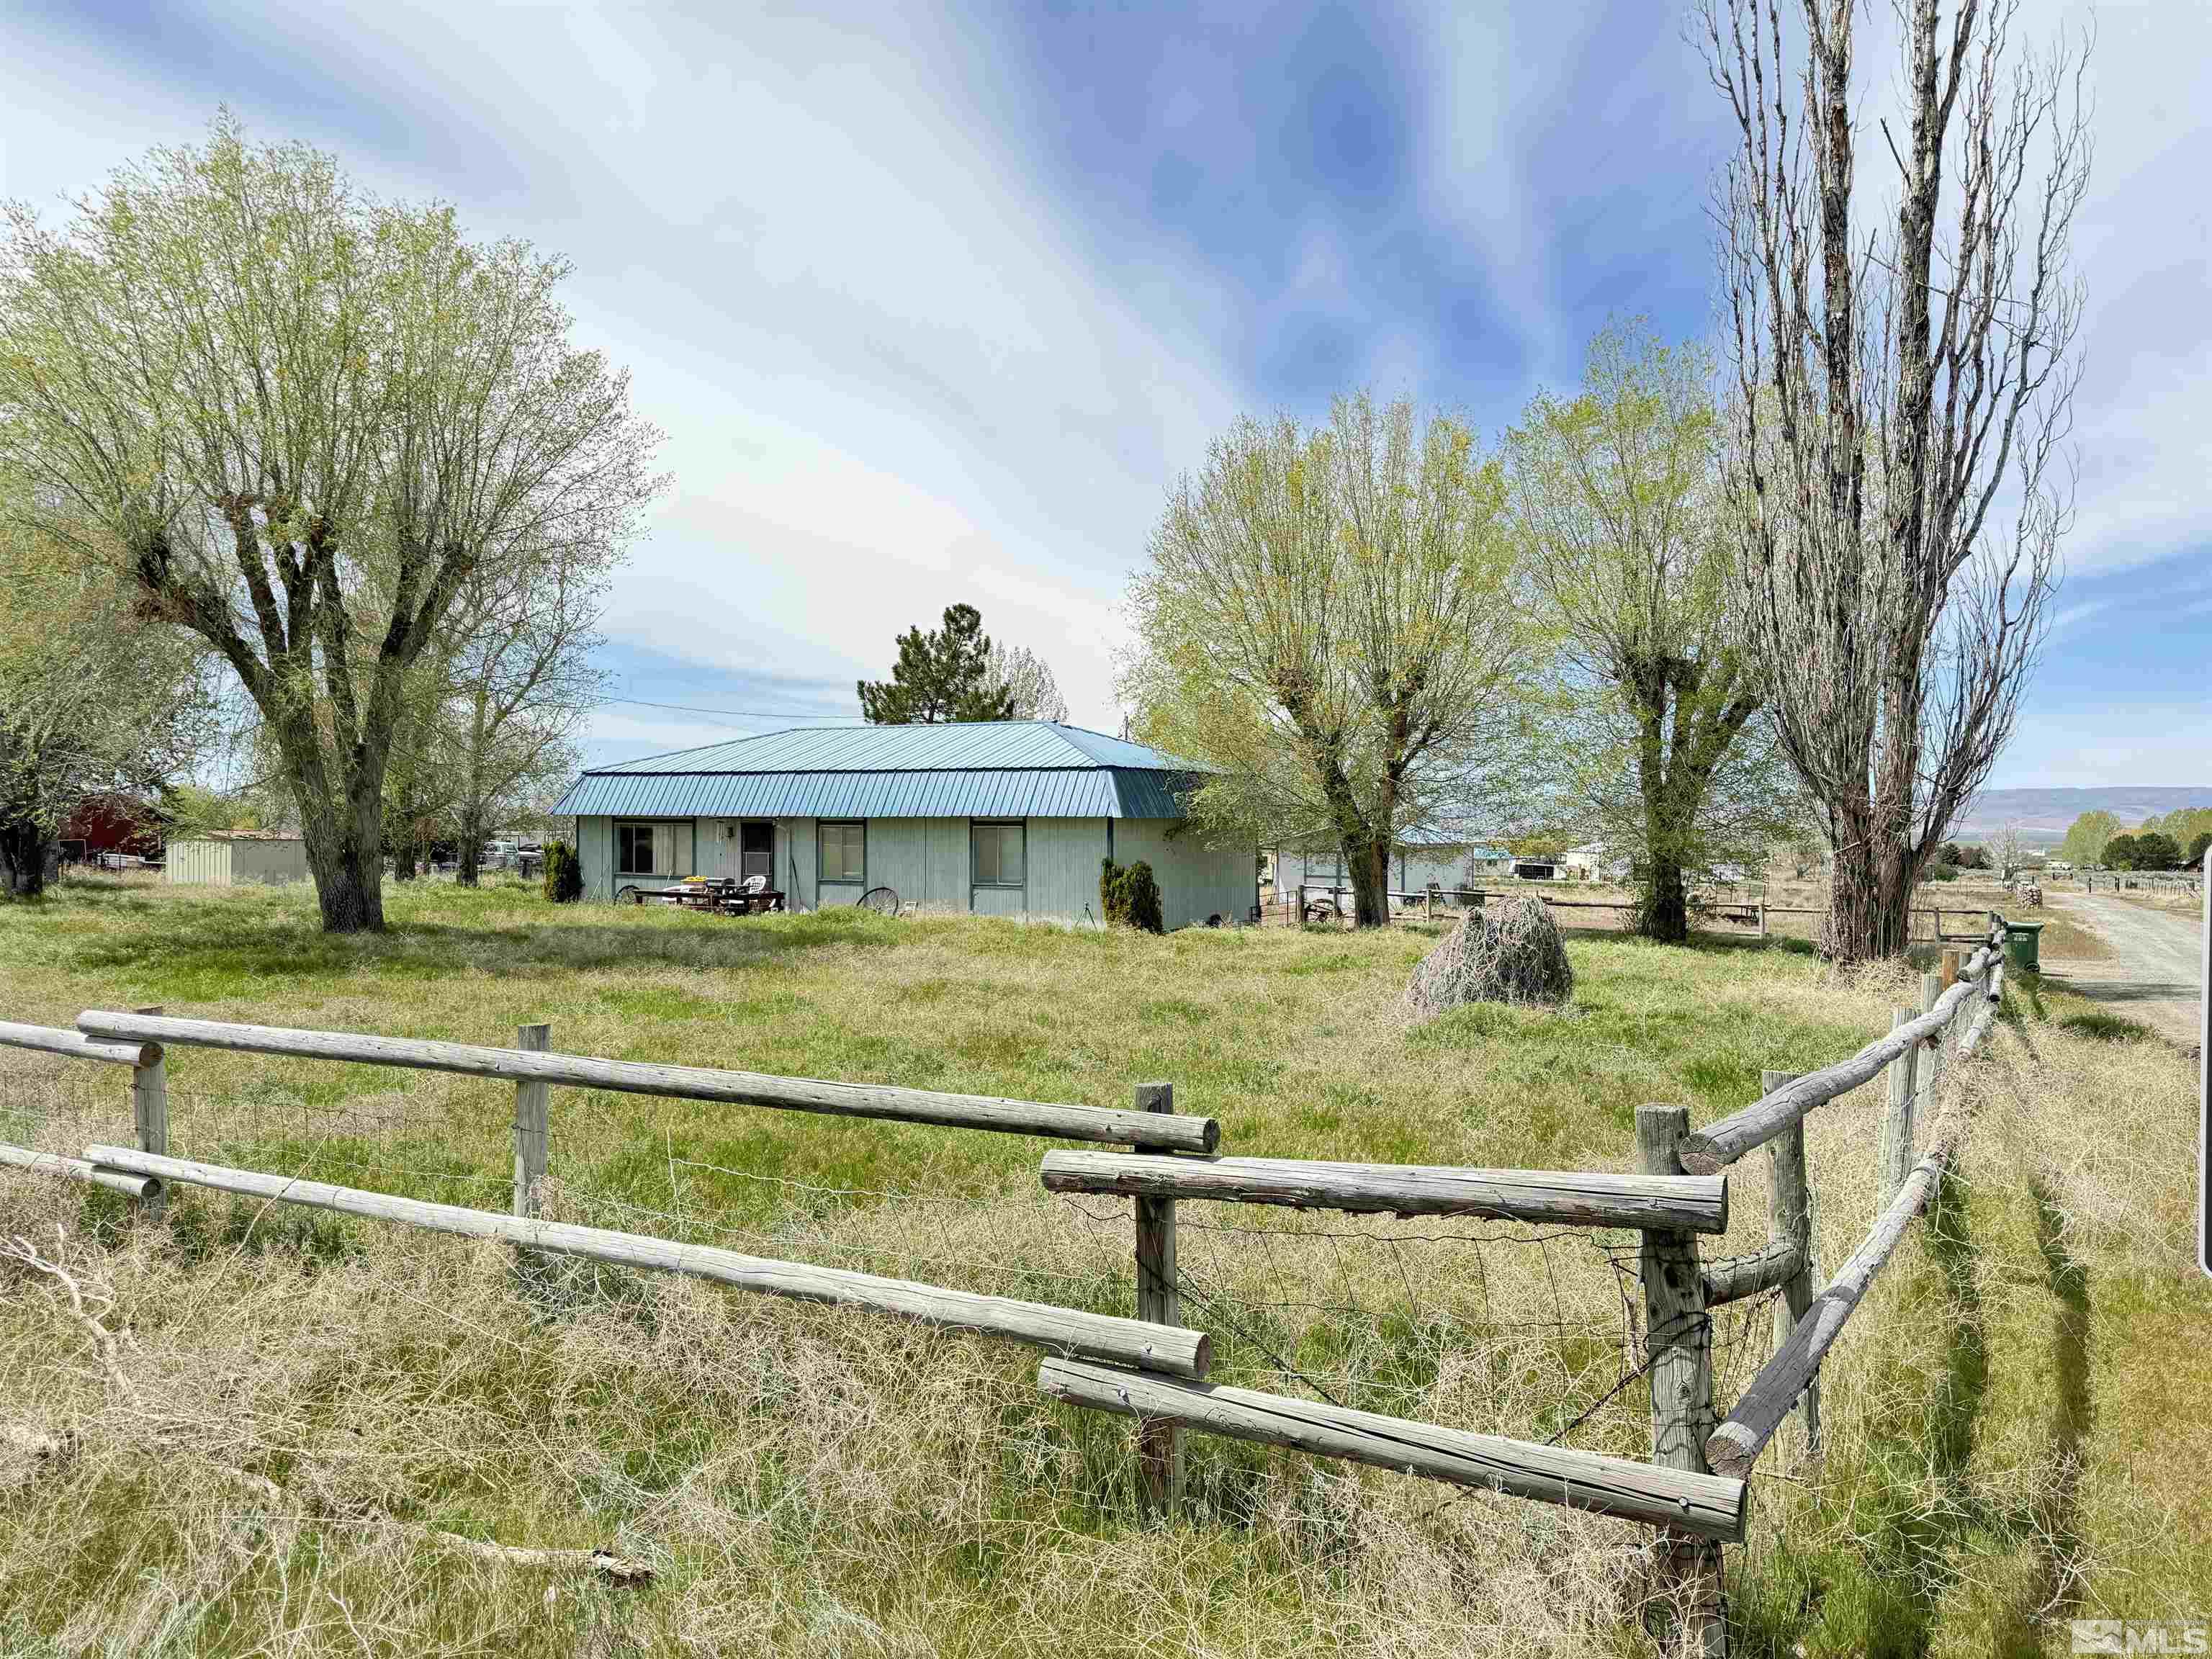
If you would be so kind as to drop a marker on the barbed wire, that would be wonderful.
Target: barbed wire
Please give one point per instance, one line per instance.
(1535, 1331)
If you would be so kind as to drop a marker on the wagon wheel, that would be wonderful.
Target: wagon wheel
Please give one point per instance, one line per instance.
(883, 901)
(630, 895)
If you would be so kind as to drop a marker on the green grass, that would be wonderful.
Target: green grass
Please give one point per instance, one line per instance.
(1292, 1041)
(811, 1481)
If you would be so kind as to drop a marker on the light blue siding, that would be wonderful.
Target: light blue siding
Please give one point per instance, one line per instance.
(1196, 881)
(929, 861)
(1063, 866)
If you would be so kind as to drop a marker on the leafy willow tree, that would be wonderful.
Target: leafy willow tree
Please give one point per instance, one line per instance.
(304, 419)
(421, 782)
(91, 699)
(1659, 748)
(1328, 618)
(2087, 837)
(944, 675)
(2185, 823)
(1904, 370)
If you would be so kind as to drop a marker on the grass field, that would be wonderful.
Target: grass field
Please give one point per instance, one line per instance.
(293, 1410)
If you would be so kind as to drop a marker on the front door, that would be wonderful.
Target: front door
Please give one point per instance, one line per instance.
(756, 850)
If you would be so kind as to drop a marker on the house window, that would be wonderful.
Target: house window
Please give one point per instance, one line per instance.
(634, 849)
(844, 852)
(756, 851)
(1001, 854)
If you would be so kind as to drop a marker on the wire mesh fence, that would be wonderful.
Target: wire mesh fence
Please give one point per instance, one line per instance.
(1533, 1333)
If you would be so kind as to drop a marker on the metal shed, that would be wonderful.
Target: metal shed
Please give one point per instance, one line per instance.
(1008, 817)
(237, 857)
(1419, 860)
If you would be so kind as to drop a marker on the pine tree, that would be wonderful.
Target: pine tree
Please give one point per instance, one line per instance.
(942, 674)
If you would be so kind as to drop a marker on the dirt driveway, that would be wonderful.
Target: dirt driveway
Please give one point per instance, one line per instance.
(2155, 971)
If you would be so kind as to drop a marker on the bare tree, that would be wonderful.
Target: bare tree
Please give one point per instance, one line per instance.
(1328, 619)
(523, 634)
(305, 418)
(1904, 379)
(1028, 682)
(2010, 853)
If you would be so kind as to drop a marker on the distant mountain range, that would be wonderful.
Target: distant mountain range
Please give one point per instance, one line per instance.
(2042, 815)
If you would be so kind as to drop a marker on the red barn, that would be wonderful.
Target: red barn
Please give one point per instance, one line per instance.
(108, 828)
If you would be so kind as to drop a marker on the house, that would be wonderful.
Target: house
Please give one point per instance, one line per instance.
(1419, 858)
(1004, 819)
(237, 857)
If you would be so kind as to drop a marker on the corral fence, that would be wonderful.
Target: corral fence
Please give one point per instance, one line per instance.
(1691, 1488)
(1927, 925)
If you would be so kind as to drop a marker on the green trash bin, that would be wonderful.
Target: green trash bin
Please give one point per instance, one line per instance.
(2024, 945)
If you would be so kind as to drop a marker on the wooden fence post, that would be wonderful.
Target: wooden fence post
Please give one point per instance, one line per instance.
(531, 1101)
(1678, 1333)
(1894, 1152)
(1931, 991)
(1950, 969)
(1789, 1220)
(150, 1112)
(1159, 1444)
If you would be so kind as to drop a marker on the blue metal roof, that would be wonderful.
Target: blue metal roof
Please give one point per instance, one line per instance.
(1004, 768)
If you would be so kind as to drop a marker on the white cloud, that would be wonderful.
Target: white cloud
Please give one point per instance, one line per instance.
(2068, 615)
(890, 368)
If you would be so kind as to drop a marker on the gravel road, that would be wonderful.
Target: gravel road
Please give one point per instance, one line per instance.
(2155, 969)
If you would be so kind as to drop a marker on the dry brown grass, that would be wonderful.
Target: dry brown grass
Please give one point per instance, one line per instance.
(806, 1482)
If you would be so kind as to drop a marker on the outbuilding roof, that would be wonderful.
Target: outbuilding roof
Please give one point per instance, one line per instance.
(1000, 769)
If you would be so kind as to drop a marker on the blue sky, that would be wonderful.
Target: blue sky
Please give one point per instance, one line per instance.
(934, 304)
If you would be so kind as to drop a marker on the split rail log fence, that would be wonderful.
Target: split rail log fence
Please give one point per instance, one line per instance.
(1694, 1487)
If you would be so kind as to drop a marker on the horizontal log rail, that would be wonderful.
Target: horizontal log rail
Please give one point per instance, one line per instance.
(78, 1169)
(1690, 1203)
(1734, 1446)
(1710, 1505)
(1158, 1131)
(1713, 1148)
(1063, 1330)
(51, 1039)
(1732, 1279)
(1442, 892)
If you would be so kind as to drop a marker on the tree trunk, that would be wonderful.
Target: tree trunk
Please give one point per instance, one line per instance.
(1369, 868)
(346, 851)
(1664, 915)
(472, 850)
(405, 857)
(1869, 899)
(23, 852)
